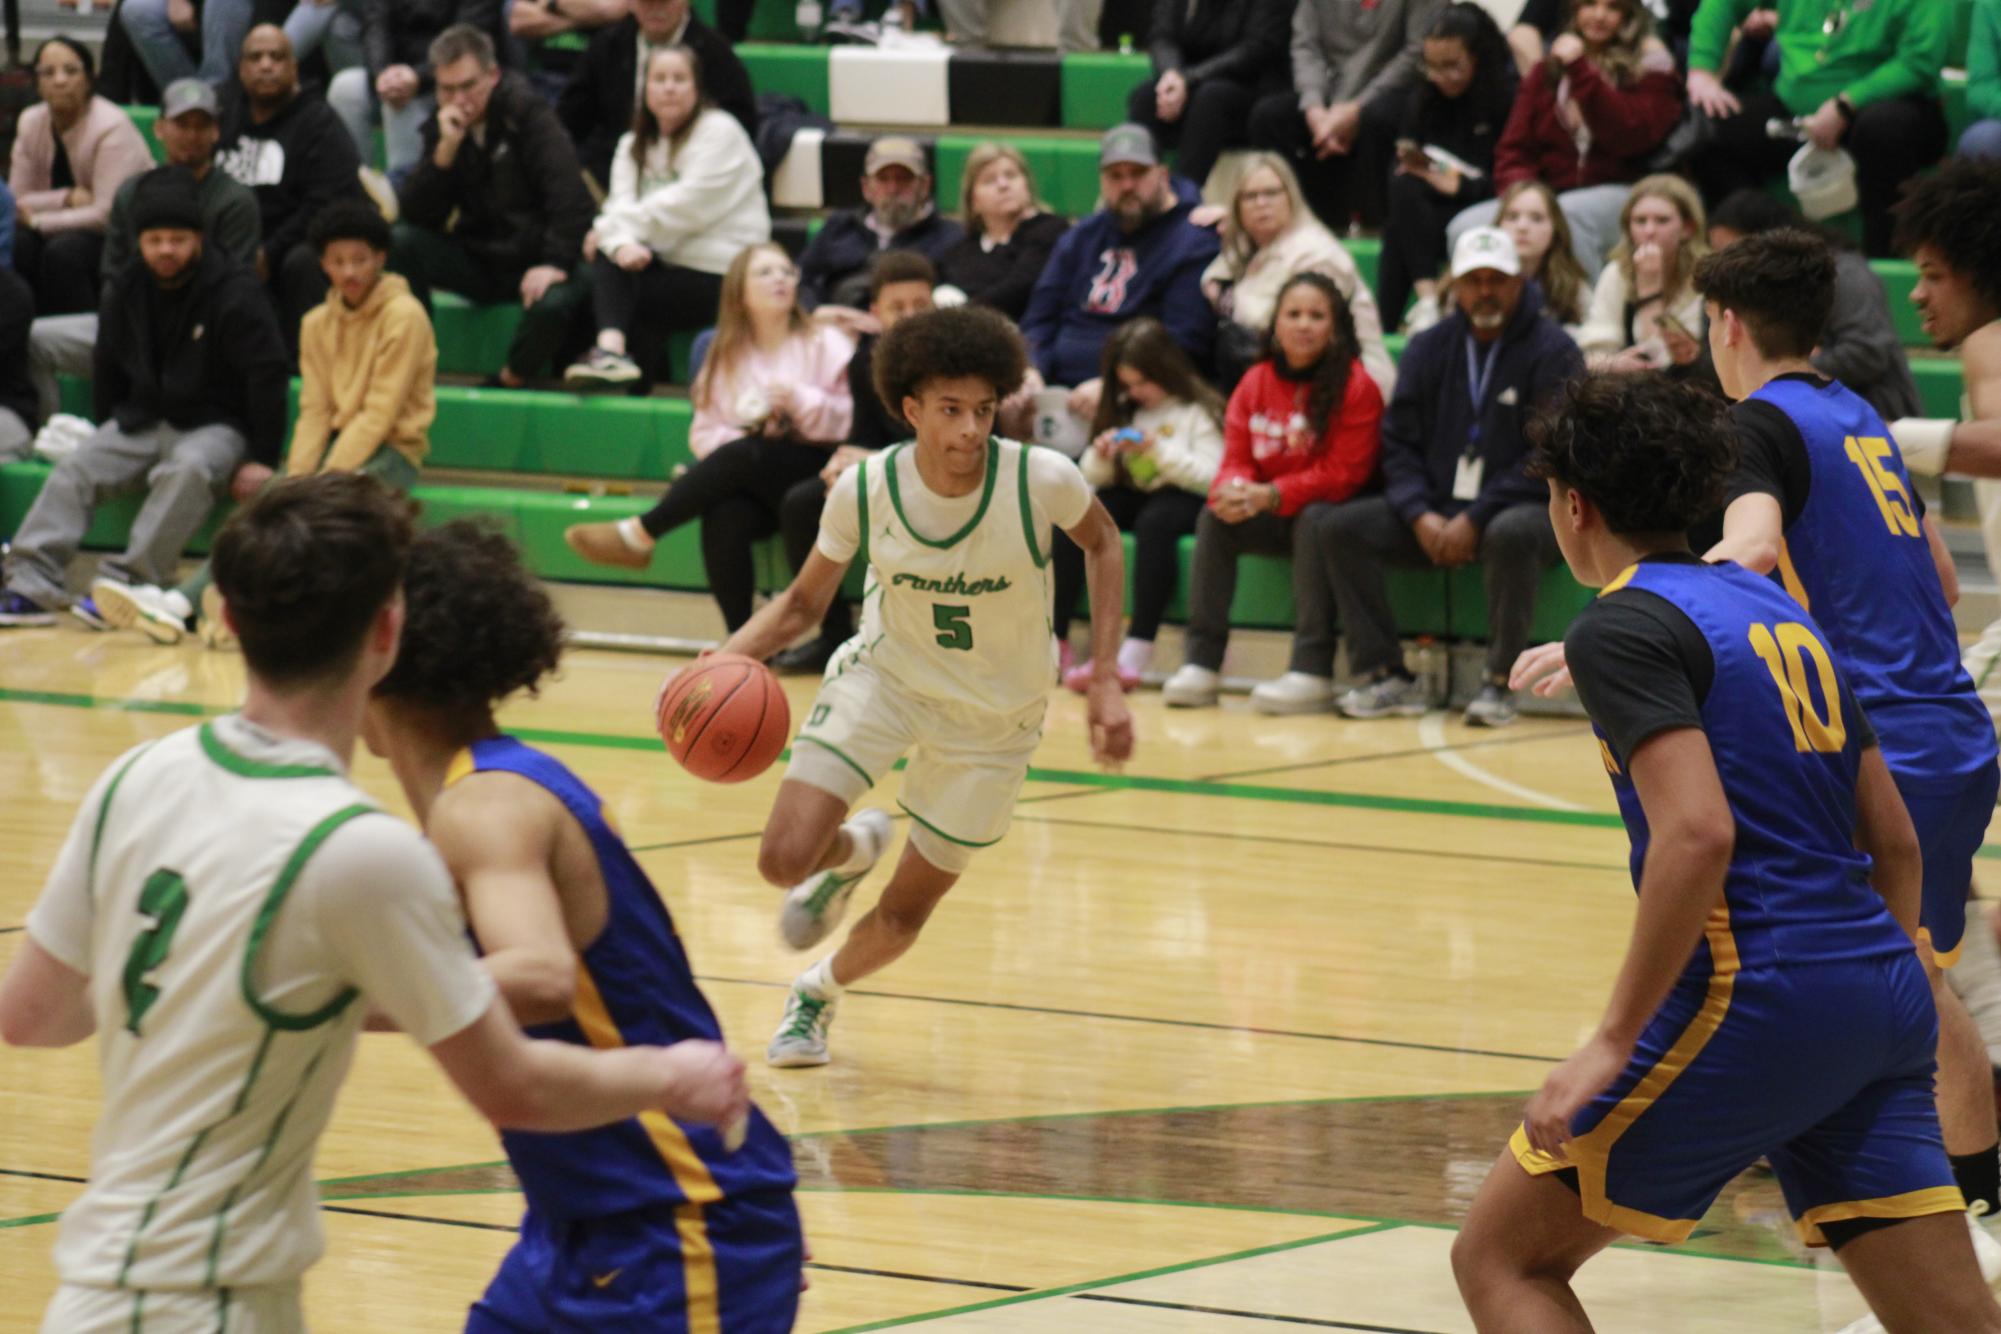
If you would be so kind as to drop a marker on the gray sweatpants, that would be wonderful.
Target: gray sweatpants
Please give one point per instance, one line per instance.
(59, 345)
(183, 471)
(17, 440)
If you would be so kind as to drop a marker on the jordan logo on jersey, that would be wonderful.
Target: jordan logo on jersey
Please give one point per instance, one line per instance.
(958, 585)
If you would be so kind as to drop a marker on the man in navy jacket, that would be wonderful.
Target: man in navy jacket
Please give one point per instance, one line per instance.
(1454, 485)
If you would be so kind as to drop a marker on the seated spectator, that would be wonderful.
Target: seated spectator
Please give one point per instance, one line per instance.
(901, 282)
(966, 22)
(157, 26)
(1445, 155)
(1155, 446)
(19, 411)
(1302, 433)
(899, 215)
(189, 381)
(771, 404)
(332, 28)
(1212, 60)
(1586, 123)
(1541, 21)
(1010, 233)
(1352, 66)
(1138, 255)
(1534, 221)
(1860, 346)
(1981, 138)
(527, 27)
(395, 80)
(495, 208)
(1863, 78)
(367, 360)
(1645, 312)
(1454, 486)
(296, 158)
(598, 102)
(72, 150)
(687, 197)
(1270, 236)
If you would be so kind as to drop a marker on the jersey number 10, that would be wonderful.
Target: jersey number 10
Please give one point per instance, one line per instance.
(1867, 453)
(1785, 649)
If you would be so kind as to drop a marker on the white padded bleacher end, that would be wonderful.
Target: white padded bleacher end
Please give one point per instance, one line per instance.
(796, 183)
(898, 86)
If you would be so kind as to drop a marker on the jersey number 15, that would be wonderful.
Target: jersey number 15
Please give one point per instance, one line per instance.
(1867, 453)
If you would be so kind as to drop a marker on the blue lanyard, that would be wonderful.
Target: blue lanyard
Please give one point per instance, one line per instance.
(1479, 377)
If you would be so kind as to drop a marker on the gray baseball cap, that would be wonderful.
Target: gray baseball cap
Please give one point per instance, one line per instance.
(1128, 143)
(185, 95)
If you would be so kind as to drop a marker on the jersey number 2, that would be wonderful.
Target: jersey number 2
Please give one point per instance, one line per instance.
(164, 898)
(952, 627)
(1867, 453)
(1785, 649)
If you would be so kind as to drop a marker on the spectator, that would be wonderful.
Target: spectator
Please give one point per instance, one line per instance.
(155, 28)
(1540, 21)
(495, 208)
(528, 25)
(1454, 486)
(771, 404)
(72, 150)
(189, 381)
(1445, 154)
(598, 102)
(1645, 311)
(293, 154)
(1076, 23)
(1156, 444)
(1353, 63)
(1982, 138)
(19, 411)
(366, 403)
(901, 283)
(1010, 233)
(334, 26)
(1303, 432)
(687, 197)
(1138, 255)
(1860, 346)
(1586, 123)
(1269, 236)
(899, 215)
(1534, 221)
(1860, 77)
(395, 80)
(1212, 60)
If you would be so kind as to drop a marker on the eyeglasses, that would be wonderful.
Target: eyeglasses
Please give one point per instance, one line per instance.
(464, 86)
(1260, 196)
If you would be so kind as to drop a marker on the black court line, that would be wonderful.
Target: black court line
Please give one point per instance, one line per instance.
(421, 1218)
(10, 930)
(42, 1176)
(1150, 1019)
(894, 815)
(1315, 1322)
(1243, 837)
(1411, 753)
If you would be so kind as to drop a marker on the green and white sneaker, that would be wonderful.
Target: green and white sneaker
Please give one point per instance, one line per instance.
(815, 906)
(801, 1038)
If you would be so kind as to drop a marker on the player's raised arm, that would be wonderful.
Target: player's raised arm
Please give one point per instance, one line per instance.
(1105, 575)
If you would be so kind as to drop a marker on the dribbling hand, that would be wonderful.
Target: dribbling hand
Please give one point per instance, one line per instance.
(704, 1083)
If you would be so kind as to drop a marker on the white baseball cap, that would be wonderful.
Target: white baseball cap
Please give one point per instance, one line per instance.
(1486, 248)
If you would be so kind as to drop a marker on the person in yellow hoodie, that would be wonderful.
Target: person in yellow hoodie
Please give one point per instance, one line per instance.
(368, 363)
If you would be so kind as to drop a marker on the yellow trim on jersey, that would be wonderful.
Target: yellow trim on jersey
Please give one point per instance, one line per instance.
(1911, 1204)
(700, 1287)
(1620, 580)
(462, 764)
(1941, 958)
(1791, 577)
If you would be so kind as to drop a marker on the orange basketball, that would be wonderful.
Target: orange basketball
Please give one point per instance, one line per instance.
(724, 719)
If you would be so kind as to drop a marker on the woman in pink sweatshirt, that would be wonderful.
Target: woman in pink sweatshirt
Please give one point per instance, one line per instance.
(771, 403)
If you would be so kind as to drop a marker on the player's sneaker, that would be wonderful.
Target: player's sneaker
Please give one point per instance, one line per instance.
(1385, 697)
(160, 615)
(801, 1038)
(815, 905)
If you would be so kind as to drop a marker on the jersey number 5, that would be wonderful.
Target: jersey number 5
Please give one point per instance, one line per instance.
(1867, 453)
(164, 898)
(952, 627)
(1785, 653)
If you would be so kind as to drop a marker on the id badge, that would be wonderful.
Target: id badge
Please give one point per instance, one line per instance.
(1466, 480)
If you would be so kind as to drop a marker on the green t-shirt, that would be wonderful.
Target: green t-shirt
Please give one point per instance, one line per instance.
(1870, 49)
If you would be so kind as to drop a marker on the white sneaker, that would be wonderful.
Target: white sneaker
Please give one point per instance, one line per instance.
(154, 612)
(1191, 687)
(801, 1038)
(1295, 692)
(1385, 697)
(815, 905)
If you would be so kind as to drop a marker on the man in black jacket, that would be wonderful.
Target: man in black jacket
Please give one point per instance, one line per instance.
(294, 155)
(899, 215)
(18, 409)
(396, 78)
(596, 106)
(1211, 61)
(189, 378)
(496, 208)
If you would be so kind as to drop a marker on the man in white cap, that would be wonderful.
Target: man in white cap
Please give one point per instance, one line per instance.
(899, 215)
(1454, 489)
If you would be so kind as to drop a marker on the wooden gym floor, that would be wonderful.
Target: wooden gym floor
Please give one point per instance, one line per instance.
(1225, 1043)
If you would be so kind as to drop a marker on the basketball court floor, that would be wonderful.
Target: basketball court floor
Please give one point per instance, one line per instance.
(1222, 1043)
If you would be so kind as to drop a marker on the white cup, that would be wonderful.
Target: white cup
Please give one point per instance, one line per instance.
(1055, 426)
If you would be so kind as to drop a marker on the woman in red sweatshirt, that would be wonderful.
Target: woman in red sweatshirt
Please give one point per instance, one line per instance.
(1302, 429)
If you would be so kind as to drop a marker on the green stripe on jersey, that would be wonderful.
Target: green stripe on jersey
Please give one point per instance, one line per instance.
(103, 811)
(986, 496)
(268, 913)
(243, 766)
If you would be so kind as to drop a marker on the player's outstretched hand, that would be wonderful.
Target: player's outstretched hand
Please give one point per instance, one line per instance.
(1542, 667)
(1111, 723)
(704, 1083)
(1571, 1085)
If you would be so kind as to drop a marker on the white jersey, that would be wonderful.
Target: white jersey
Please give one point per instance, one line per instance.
(958, 615)
(232, 898)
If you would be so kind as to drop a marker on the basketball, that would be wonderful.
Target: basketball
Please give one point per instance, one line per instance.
(724, 719)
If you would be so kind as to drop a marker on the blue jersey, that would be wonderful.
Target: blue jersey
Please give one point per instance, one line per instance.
(634, 986)
(1856, 557)
(1785, 738)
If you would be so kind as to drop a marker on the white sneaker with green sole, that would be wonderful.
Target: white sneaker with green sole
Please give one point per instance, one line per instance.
(801, 1038)
(814, 906)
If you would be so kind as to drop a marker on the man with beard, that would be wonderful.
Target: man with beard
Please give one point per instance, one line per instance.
(899, 215)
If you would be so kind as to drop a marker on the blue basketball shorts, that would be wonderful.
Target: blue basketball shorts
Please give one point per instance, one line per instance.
(1951, 819)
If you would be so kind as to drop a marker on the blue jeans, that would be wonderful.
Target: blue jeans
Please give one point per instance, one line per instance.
(1981, 140)
(7, 213)
(352, 96)
(337, 25)
(223, 24)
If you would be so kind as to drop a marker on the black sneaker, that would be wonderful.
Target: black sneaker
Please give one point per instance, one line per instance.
(602, 366)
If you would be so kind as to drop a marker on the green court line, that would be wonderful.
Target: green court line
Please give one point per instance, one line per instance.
(30, 1221)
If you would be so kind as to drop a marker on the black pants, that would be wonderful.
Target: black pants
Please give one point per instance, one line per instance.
(799, 523)
(1158, 520)
(1891, 141)
(62, 268)
(1212, 583)
(1216, 117)
(1341, 188)
(429, 259)
(736, 493)
(297, 284)
(1413, 243)
(1353, 542)
(659, 299)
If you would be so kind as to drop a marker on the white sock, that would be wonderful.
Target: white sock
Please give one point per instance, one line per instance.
(818, 981)
(862, 851)
(1134, 655)
(633, 535)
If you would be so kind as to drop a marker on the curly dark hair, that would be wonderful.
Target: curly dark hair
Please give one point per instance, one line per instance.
(1780, 283)
(349, 220)
(1330, 374)
(1651, 453)
(1957, 212)
(963, 341)
(477, 626)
